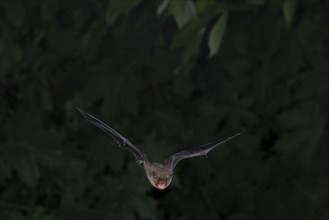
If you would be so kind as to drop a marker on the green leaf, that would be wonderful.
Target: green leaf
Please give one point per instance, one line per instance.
(183, 37)
(205, 8)
(183, 11)
(289, 9)
(162, 7)
(189, 38)
(216, 34)
(116, 8)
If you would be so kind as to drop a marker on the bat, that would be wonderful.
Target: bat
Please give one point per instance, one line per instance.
(159, 174)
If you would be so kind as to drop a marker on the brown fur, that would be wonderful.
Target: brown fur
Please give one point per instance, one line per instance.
(158, 173)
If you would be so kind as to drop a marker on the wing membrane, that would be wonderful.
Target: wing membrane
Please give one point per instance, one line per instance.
(122, 141)
(202, 150)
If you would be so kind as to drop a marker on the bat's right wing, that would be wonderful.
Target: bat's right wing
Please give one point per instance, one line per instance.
(199, 151)
(122, 141)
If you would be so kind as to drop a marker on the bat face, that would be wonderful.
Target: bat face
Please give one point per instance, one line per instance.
(159, 175)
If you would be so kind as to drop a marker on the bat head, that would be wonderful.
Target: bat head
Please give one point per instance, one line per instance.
(160, 176)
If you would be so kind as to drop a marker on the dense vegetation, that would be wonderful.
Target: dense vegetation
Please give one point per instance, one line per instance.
(168, 75)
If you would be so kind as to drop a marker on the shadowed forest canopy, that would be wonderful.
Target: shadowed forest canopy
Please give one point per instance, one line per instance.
(168, 75)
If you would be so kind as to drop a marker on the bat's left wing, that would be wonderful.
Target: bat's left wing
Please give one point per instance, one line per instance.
(122, 141)
(199, 151)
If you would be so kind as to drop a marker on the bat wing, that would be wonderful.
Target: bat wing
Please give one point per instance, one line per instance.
(199, 151)
(122, 141)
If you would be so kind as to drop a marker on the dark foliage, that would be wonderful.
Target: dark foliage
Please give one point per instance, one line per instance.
(168, 75)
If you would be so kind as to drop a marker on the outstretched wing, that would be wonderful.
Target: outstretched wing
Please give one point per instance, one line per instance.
(122, 141)
(199, 151)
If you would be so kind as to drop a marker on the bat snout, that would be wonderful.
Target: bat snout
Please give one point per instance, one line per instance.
(162, 184)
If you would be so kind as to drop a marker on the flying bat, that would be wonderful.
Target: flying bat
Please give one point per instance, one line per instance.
(159, 174)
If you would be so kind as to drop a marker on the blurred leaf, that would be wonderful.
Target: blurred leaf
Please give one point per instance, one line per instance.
(130, 103)
(226, 200)
(40, 213)
(145, 207)
(16, 53)
(116, 8)
(5, 169)
(113, 155)
(182, 85)
(216, 34)
(162, 7)
(56, 55)
(14, 12)
(90, 43)
(205, 8)
(76, 170)
(190, 44)
(63, 41)
(183, 11)
(23, 161)
(289, 9)
(256, 2)
(10, 215)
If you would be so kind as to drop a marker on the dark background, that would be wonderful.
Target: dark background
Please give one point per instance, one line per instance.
(168, 75)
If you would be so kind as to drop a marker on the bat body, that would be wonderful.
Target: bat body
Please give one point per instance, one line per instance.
(159, 174)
